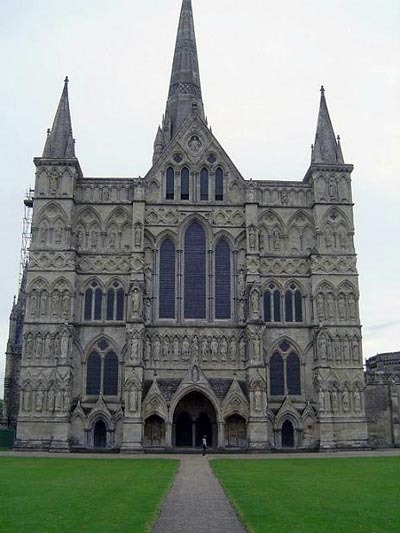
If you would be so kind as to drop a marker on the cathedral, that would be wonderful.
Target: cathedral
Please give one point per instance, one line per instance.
(192, 302)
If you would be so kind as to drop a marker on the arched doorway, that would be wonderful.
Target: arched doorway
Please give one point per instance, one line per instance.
(287, 435)
(154, 431)
(235, 432)
(195, 417)
(100, 435)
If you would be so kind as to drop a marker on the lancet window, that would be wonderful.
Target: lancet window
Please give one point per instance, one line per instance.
(93, 302)
(170, 184)
(284, 371)
(167, 280)
(272, 304)
(185, 184)
(115, 302)
(204, 183)
(293, 304)
(195, 272)
(219, 185)
(102, 371)
(222, 280)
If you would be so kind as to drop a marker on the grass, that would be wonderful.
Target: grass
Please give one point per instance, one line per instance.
(314, 495)
(82, 495)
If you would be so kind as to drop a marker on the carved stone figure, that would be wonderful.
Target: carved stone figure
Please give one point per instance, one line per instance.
(39, 400)
(258, 400)
(136, 305)
(55, 303)
(44, 299)
(356, 351)
(328, 237)
(29, 346)
(346, 350)
(334, 401)
(214, 349)
(346, 401)
(133, 399)
(242, 349)
(185, 349)
(357, 401)
(256, 349)
(330, 301)
(195, 349)
(64, 348)
(34, 303)
(323, 348)
(276, 240)
(176, 349)
(232, 350)
(255, 303)
(342, 306)
(138, 235)
(195, 374)
(66, 304)
(333, 189)
(39, 346)
(352, 307)
(320, 306)
(156, 349)
(51, 400)
(223, 349)
(322, 402)
(147, 351)
(166, 348)
(134, 348)
(252, 238)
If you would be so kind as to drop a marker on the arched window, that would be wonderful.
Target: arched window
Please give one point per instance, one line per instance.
(277, 378)
(272, 304)
(222, 280)
(115, 302)
(219, 185)
(185, 184)
(293, 381)
(167, 280)
(195, 272)
(110, 377)
(293, 304)
(204, 184)
(93, 302)
(93, 374)
(170, 184)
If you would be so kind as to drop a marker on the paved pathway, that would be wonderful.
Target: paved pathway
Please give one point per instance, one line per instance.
(196, 502)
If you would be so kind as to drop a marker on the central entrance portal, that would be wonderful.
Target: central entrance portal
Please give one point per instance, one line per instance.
(195, 418)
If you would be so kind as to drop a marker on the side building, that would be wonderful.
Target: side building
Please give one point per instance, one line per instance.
(383, 400)
(193, 301)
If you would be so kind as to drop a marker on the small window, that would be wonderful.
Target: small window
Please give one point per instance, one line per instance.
(219, 185)
(272, 304)
(170, 184)
(204, 185)
(293, 304)
(93, 302)
(185, 184)
(115, 302)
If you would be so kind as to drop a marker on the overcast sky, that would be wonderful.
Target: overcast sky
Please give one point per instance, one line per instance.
(262, 64)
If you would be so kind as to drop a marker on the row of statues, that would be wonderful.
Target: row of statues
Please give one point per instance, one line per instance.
(54, 304)
(331, 307)
(340, 349)
(42, 346)
(336, 401)
(41, 400)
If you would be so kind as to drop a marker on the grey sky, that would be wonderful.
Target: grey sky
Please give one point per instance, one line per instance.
(261, 63)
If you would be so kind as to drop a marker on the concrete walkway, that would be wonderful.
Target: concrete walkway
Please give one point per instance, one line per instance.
(196, 502)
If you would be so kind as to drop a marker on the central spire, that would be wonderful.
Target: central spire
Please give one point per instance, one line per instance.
(184, 97)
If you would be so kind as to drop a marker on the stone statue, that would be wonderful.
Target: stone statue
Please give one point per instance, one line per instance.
(204, 349)
(133, 399)
(346, 401)
(321, 396)
(242, 349)
(136, 302)
(255, 303)
(323, 349)
(34, 303)
(352, 307)
(334, 401)
(276, 239)
(147, 352)
(55, 303)
(138, 235)
(331, 305)
(176, 349)
(39, 400)
(44, 299)
(357, 401)
(156, 349)
(356, 351)
(66, 304)
(166, 347)
(320, 306)
(252, 238)
(39, 346)
(333, 189)
(232, 350)
(134, 348)
(258, 400)
(256, 349)
(223, 349)
(214, 349)
(64, 347)
(185, 349)
(29, 346)
(51, 400)
(195, 374)
(328, 237)
(342, 307)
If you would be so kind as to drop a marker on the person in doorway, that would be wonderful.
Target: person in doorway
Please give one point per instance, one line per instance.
(204, 443)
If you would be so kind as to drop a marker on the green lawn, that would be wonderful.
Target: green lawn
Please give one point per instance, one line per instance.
(314, 495)
(82, 495)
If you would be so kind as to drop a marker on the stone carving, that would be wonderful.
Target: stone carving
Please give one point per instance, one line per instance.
(136, 302)
(255, 303)
(252, 238)
(195, 144)
(93, 193)
(285, 266)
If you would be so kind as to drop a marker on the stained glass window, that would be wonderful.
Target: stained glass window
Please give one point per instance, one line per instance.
(170, 184)
(298, 306)
(195, 272)
(110, 379)
(110, 304)
(277, 306)
(120, 303)
(272, 304)
(293, 374)
(204, 184)
(267, 307)
(222, 280)
(277, 378)
(93, 375)
(219, 184)
(98, 302)
(167, 280)
(88, 304)
(185, 184)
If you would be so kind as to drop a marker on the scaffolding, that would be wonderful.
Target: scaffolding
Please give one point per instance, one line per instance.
(26, 233)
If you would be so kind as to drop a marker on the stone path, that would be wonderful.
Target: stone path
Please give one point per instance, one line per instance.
(196, 503)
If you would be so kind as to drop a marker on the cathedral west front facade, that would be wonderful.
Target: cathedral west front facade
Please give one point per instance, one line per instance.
(190, 302)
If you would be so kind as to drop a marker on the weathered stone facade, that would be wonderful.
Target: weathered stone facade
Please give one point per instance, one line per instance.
(260, 345)
(383, 400)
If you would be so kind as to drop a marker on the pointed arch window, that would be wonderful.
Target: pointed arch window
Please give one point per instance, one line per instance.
(293, 304)
(277, 377)
(195, 272)
(170, 184)
(93, 374)
(222, 280)
(115, 302)
(204, 181)
(219, 185)
(272, 304)
(93, 302)
(102, 371)
(167, 280)
(185, 184)
(110, 375)
(293, 374)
